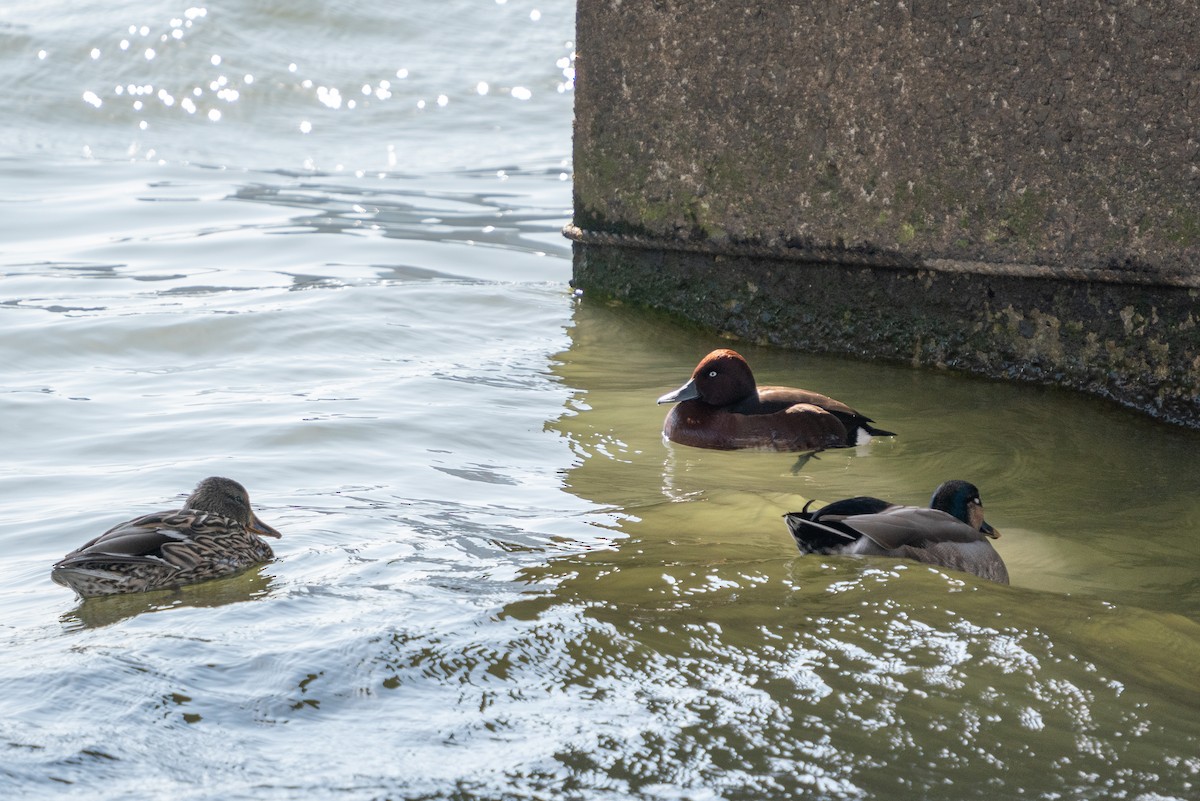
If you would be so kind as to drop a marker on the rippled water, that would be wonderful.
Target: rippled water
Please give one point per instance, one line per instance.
(495, 580)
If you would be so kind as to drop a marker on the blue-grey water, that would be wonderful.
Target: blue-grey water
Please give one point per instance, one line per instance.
(314, 246)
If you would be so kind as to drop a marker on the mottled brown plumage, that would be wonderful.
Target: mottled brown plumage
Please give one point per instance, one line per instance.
(214, 534)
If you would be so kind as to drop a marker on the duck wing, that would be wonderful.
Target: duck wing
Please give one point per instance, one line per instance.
(165, 539)
(782, 397)
(911, 526)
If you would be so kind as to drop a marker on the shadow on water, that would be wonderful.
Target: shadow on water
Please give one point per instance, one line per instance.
(767, 671)
(109, 609)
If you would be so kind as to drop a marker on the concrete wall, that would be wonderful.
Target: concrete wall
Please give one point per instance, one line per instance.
(1012, 188)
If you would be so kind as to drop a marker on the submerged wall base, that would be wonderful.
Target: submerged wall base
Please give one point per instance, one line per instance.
(1135, 343)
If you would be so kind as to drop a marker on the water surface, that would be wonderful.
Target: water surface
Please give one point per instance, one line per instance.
(495, 580)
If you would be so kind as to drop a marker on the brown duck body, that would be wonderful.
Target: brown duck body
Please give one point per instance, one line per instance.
(215, 534)
(722, 407)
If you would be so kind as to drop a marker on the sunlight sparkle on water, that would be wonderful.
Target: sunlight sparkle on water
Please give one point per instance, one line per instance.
(150, 43)
(330, 98)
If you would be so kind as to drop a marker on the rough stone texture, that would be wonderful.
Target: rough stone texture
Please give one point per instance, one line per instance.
(1030, 171)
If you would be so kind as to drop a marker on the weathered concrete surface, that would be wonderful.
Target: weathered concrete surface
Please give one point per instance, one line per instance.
(1010, 188)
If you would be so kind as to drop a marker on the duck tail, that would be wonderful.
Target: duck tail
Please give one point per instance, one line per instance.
(813, 536)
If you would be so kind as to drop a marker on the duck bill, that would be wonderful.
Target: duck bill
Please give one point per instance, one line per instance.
(262, 529)
(986, 528)
(687, 392)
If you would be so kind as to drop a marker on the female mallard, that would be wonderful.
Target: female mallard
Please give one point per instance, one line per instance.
(721, 407)
(214, 534)
(951, 533)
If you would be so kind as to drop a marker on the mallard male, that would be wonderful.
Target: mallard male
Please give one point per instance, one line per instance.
(951, 533)
(215, 534)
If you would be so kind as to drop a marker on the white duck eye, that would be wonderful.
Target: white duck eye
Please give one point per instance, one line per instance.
(712, 374)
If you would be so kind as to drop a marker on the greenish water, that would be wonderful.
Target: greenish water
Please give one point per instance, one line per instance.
(1091, 500)
(878, 676)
